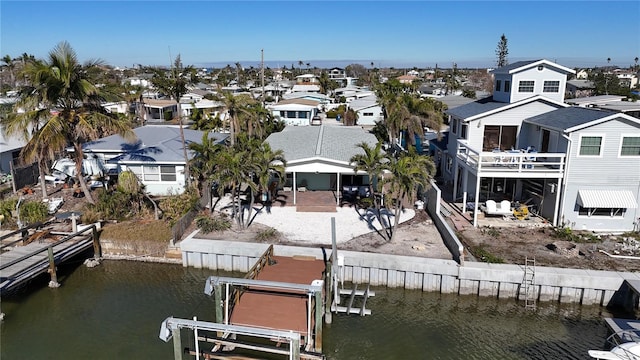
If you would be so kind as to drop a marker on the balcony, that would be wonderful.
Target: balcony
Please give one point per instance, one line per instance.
(511, 164)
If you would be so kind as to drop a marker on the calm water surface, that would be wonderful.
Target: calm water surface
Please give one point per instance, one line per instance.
(114, 311)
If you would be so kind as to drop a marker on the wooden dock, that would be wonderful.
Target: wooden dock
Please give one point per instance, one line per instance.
(279, 310)
(20, 264)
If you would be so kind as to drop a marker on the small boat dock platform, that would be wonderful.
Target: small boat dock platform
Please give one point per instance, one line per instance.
(26, 254)
(277, 308)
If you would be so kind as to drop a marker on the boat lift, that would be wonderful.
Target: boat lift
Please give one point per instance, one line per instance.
(213, 286)
(171, 326)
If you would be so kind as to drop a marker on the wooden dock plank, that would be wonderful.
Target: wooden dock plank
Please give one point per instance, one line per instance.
(279, 310)
(39, 263)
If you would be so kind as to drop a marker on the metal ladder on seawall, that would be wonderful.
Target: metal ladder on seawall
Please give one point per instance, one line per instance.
(529, 283)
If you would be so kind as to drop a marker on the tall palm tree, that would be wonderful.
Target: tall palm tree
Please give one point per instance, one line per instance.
(266, 164)
(204, 158)
(64, 87)
(236, 106)
(10, 65)
(175, 85)
(27, 122)
(410, 172)
(374, 162)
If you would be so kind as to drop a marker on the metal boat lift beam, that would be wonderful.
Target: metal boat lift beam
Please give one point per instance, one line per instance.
(171, 326)
(219, 280)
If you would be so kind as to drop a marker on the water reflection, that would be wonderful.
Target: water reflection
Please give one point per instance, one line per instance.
(114, 311)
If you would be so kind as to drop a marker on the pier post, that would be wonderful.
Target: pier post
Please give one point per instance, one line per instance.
(97, 252)
(177, 344)
(52, 270)
(328, 285)
(318, 309)
(217, 296)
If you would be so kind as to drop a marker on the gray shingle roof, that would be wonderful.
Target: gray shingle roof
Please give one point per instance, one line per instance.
(153, 144)
(567, 118)
(330, 142)
(475, 108)
(515, 65)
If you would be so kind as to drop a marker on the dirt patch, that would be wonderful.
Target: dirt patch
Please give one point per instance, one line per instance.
(564, 248)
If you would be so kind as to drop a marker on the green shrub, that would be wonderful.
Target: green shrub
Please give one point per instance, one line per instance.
(112, 205)
(174, 207)
(268, 234)
(483, 255)
(6, 210)
(491, 231)
(32, 212)
(208, 224)
(90, 216)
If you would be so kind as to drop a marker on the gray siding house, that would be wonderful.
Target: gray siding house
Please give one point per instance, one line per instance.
(580, 167)
(601, 187)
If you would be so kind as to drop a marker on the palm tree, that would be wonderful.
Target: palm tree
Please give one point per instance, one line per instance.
(410, 172)
(204, 158)
(62, 84)
(27, 122)
(10, 65)
(636, 61)
(175, 84)
(236, 106)
(266, 164)
(374, 162)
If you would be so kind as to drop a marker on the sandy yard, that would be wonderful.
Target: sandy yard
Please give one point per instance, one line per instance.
(417, 236)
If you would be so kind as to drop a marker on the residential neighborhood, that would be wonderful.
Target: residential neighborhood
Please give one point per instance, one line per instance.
(320, 180)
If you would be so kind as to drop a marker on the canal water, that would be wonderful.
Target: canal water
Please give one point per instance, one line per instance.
(114, 311)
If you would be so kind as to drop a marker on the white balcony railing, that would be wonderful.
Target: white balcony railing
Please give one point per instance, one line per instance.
(514, 161)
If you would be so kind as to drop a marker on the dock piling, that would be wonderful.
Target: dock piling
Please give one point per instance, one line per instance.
(52, 269)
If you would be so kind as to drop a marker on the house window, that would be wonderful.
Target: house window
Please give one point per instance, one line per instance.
(526, 86)
(303, 114)
(449, 165)
(603, 212)
(499, 137)
(551, 86)
(590, 145)
(630, 146)
(151, 173)
(498, 85)
(507, 86)
(291, 114)
(454, 126)
(167, 173)
(463, 131)
(136, 169)
(283, 113)
(368, 114)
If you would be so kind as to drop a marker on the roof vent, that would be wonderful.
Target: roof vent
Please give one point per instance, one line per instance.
(540, 67)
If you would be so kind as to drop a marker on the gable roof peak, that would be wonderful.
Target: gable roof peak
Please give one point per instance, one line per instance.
(528, 64)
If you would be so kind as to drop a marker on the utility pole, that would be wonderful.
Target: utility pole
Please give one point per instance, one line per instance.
(262, 73)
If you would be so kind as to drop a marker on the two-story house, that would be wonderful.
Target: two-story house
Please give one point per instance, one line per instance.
(498, 149)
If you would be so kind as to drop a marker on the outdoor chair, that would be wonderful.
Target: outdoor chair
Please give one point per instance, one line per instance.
(492, 208)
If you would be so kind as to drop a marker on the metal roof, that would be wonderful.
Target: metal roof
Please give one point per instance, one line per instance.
(153, 144)
(607, 199)
(568, 118)
(338, 143)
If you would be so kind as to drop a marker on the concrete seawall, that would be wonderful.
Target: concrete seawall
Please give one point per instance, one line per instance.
(587, 287)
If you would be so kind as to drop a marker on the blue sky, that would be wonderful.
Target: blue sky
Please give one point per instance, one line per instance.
(399, 34)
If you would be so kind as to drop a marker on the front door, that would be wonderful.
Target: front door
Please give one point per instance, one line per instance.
(544, 147)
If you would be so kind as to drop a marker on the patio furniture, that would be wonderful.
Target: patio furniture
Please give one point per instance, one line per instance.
(531, 150)
(492, 208)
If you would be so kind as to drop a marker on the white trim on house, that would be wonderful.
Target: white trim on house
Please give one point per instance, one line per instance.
(602, 142)
(620, 146)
